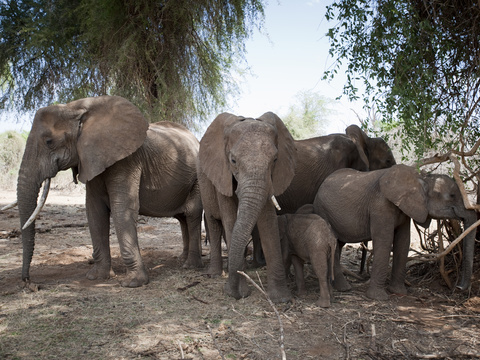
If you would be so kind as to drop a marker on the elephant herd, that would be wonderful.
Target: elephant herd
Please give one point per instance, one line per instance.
(302, 200)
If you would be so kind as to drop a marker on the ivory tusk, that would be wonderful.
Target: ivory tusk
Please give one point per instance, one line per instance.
(9, 206)
(31, 219)
(275, 202)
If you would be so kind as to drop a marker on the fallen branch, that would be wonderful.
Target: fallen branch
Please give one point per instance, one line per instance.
(181, 349)
(352, 274)
(282, 345)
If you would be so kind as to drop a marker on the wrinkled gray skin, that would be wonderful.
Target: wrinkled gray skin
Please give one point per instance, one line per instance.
(308, 238)
(242, 163)
(129, 168)
(378, 205)
(319, 157)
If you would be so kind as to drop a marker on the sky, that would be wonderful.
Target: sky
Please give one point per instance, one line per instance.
(289, 56)
(292, 59)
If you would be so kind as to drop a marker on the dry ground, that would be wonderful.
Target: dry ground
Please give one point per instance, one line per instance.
(182, 314)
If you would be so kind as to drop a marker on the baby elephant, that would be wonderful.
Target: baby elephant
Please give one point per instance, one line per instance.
(308, 238)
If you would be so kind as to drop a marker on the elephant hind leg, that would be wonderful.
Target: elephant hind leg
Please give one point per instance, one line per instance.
(340, 283)
(401, 246)
(191, 235)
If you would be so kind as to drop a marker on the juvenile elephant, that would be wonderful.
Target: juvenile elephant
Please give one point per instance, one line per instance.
(308, 238)
(378, 205)
(129, 168)
(243, 162)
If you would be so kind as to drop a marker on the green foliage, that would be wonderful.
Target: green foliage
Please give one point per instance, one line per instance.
(307, 117)
(419, 63)
(172, 58)
(12, 145)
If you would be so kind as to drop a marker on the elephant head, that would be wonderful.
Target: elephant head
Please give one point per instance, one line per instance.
(378, 154)
(87, 136)
(252, 160)
(432, 196)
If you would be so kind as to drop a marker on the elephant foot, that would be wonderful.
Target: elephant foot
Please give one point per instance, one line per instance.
(214, 270)
(397, 289)
(323, 302)
(135, 279)
(193, 262)
(341, 284)
(100, 272)
(376, 293)
(184, 256)
(280, 295)
(242, 291)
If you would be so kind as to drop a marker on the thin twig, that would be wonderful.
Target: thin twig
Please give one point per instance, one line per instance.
(181, 349)
(282, 344)
(215, 342)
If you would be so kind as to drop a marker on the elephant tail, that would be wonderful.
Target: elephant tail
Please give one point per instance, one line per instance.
(332, 260)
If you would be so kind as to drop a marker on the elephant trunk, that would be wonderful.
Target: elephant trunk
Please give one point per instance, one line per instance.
(252, 196)
(28, 187)
(468, 251)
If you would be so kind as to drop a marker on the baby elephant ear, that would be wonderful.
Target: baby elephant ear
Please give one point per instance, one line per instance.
(403, 186)
(112, 128)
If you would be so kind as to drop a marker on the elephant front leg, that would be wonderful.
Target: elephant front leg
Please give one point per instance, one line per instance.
(270, 239)
(401, 246)
(214, 231)
(299, 278)
(123, 185)
(98, 216)
(382, 239)
(125, 226)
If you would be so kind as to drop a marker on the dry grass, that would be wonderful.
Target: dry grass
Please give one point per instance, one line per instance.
(183, 314)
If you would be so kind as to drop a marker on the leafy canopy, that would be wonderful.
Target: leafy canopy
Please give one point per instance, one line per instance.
(172, 58)
(307, 116)
(418, 62)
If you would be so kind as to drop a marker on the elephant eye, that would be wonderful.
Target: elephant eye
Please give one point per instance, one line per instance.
(232, 160)
(49, 142)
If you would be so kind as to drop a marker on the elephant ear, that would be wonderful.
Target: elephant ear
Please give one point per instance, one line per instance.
(360, 138)
(112, 128)
(212, 157)
(402, 185)
(287, 154)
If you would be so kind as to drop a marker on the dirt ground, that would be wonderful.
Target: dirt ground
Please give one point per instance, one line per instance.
(182, 314)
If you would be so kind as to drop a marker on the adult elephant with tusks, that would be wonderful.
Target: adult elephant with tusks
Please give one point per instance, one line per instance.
(243, 164)
(129, 168)
(379, 205)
